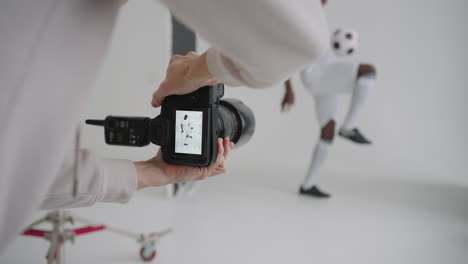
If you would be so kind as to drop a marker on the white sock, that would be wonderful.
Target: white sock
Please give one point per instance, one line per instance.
(359, 97)
(318, 158)
(170, 190)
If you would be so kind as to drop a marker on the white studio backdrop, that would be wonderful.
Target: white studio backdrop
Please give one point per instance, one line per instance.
(417, 117)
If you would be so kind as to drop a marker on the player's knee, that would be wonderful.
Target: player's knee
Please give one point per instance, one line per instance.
(366, 69)
(328, 131)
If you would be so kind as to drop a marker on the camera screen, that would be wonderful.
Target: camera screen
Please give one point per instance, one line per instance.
(188, 132)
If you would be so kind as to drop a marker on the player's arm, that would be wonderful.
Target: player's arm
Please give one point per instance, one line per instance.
(288, 99)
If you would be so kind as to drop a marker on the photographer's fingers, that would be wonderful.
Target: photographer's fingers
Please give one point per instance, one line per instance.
(220, 157)
(159, 94)
(192, 54)
(222, 168)
(175, 58)
(227, 147)
(184, 74)
(175, 68)
(219, 160)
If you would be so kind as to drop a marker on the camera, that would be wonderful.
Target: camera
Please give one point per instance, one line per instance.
(187, 128)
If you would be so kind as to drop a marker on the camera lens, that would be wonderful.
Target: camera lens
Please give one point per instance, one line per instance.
(236, 121)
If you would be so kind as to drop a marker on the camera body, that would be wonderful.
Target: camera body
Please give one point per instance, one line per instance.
(187, 128)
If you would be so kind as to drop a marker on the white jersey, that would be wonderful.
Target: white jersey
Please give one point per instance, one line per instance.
(329, 75)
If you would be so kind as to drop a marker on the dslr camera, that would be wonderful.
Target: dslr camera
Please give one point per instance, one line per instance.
(187, 128)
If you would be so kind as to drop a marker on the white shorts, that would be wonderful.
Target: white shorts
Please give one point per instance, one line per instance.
(332, 77)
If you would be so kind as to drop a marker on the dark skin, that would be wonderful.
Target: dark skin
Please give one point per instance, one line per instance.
(328, 131)
(365, 69)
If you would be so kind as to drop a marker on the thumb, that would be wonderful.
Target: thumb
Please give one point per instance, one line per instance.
(159, 95)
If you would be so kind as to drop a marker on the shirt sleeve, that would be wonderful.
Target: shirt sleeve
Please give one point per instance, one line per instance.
(105, 180)
(256, 43)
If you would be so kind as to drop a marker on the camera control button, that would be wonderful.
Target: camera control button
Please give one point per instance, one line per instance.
(159, 132)
(193, 99)
(111, 124)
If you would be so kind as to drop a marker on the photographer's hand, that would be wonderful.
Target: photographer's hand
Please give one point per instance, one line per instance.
(156, 172)
(184, 74)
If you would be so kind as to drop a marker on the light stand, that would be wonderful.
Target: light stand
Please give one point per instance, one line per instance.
(59, 234)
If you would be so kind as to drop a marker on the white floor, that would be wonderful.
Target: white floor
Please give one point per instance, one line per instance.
(384, 219)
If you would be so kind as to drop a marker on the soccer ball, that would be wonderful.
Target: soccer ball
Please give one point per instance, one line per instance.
(344, 42)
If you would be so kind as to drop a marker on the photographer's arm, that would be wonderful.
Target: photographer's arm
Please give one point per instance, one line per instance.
(114, 180)
(107, 180)
(255, 43)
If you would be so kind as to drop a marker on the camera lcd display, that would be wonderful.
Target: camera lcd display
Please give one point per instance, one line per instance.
(188, 132)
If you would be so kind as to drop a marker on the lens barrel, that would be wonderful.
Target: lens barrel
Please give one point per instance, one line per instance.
(236, 121)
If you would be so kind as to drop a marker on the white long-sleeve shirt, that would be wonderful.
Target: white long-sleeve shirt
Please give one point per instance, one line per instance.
(256, 43)
(50, 53)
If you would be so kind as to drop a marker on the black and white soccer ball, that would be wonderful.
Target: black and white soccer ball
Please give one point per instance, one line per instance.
(345, 42)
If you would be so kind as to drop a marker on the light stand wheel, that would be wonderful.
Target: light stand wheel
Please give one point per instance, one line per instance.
(147, 254)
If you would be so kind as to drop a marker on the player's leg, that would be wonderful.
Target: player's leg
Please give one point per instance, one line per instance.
(326, 106)
(366, 78)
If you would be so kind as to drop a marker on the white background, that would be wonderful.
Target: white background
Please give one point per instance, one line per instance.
(402, 200)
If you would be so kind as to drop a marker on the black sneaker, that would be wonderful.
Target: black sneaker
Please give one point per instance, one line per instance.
(314, 191)
(354, 135)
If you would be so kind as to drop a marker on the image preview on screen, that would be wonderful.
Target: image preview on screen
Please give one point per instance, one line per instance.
(188, 132)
